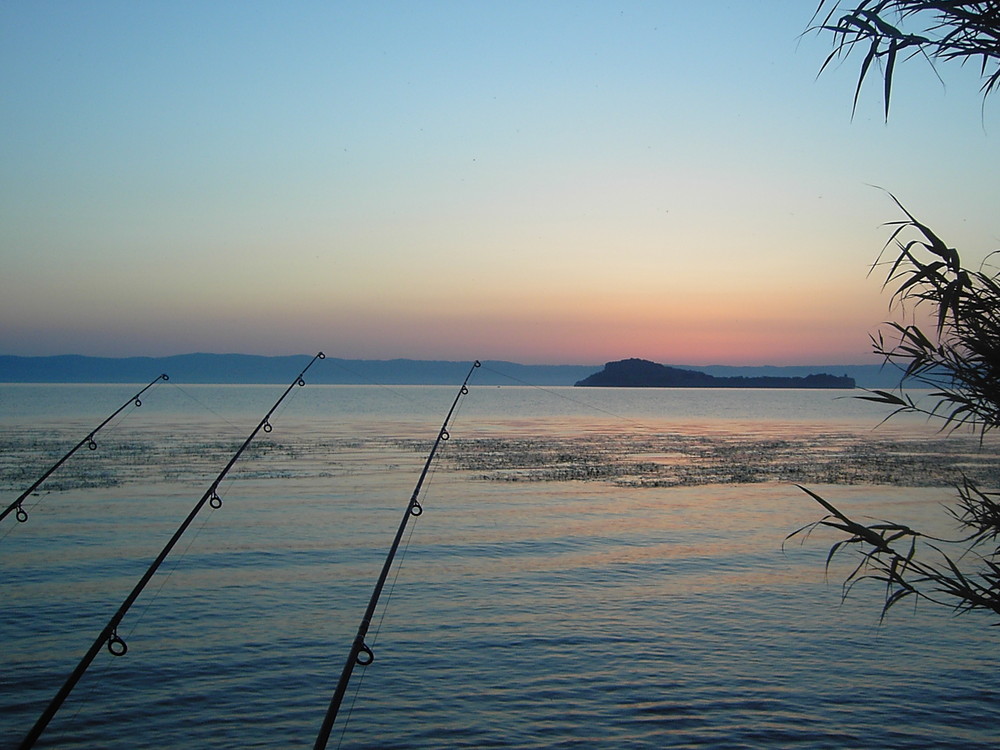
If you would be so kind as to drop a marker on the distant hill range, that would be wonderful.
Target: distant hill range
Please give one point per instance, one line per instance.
(248, 368)
(251, 368)
(641, 373)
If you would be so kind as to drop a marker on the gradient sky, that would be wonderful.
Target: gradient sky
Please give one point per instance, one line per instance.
(543, 182)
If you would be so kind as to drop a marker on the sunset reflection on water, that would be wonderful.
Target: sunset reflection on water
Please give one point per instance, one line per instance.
(590, 581)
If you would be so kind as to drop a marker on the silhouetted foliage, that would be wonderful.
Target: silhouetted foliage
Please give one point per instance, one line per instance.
(959, 360)
(960, 363)
(886, 31)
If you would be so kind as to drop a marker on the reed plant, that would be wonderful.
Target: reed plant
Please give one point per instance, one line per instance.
(956, 353)
(958, 360)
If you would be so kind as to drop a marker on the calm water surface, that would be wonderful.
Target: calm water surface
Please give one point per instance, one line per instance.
(652, 607)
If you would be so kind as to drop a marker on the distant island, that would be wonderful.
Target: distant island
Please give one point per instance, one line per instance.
(641, 373)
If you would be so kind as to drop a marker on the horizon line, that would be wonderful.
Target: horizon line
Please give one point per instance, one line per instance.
(838, 363)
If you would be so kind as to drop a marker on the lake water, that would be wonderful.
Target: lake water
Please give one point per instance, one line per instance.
(594, 568)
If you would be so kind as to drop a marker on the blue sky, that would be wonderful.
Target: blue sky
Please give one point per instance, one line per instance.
(540, 182)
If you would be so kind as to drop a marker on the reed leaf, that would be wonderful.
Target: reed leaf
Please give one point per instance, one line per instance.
(884, 397)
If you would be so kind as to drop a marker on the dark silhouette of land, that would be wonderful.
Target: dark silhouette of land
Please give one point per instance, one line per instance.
(250, 368)
(241, 369)
(641, 373)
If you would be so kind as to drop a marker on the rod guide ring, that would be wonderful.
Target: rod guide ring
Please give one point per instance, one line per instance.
(365, 656)
(21, 514)
(116, 645)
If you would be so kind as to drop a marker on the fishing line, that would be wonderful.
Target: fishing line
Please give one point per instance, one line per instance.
(562, 396)
(392, 585)
(406, 544)
(17, 508)
(425, 404)
(388, 601)
(108, 664)
(385, 609)
(166, 574)
(362, 380)
(107, 428)
(378, 629)
(205, 406)
(178, 558)
(376, 632)
(374, 639)
(109, 636)
(360, 653)
(169, 572)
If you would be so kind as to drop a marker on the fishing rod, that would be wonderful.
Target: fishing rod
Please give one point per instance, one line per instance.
(109, 636)
(360, 652)
(20, 513)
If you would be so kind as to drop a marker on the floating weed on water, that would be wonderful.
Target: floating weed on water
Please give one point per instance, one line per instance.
(617, 458)
(700, 459)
